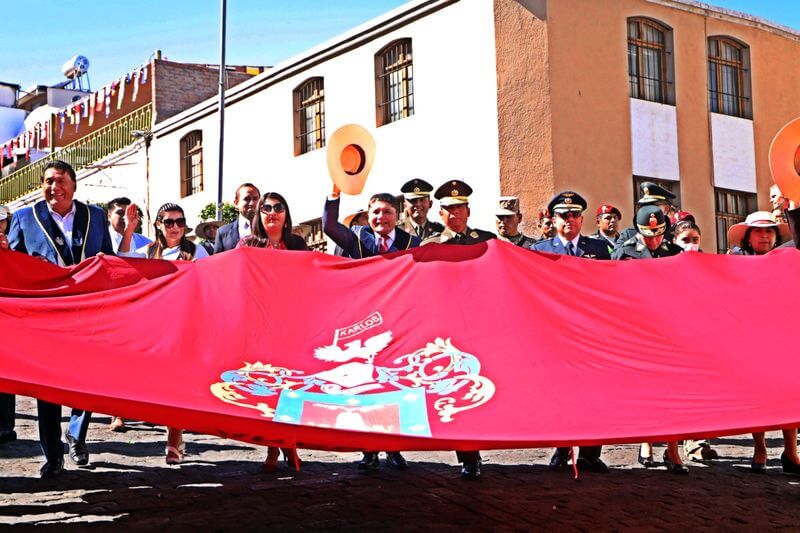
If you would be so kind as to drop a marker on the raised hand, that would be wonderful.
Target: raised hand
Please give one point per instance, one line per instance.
(131, 218)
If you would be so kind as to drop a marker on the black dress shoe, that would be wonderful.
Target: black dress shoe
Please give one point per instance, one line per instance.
(7, 435)
(646, 462)
(78, 451)
(51, 469)
(596, 466)
(758, 468)
(369, 461)
(675, 468)
(396, 461)
(789, 467)
(471, 470)
(559, 460)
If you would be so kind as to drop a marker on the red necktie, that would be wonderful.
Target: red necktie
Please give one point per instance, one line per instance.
(384, 246)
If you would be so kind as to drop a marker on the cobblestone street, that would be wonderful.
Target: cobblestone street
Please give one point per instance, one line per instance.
(220, 486)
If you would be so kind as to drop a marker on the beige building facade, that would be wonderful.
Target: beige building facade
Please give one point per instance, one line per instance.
(590, 98)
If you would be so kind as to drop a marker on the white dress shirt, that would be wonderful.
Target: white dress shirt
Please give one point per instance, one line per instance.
(244, 227)
(64, 223)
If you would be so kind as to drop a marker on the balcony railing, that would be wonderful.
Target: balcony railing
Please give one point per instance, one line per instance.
(79, 154)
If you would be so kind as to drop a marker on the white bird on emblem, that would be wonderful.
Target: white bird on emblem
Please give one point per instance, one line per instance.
(355, 350)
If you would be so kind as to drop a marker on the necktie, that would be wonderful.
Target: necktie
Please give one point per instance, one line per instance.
(570, 249)
(384, 245)
(420, 231)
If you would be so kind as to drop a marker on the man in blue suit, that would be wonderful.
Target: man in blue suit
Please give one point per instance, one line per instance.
(229, 235)
(567, 209)
(63, 231)
(380, 237)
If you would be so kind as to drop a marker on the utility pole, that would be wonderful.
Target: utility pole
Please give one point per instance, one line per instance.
(223, 6)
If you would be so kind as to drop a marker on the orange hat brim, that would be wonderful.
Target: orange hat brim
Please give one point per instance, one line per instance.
(784, 160)
(351, 134)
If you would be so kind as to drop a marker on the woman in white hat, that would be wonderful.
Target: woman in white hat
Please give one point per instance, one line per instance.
(759, 234)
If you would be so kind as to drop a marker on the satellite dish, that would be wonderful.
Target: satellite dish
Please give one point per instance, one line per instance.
(75, 67)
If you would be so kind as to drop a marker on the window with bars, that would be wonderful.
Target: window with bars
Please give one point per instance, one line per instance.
(650, 71)
(309, 116)
(394, 82)
(316, 237)
(728, 77)
(731, 207)
(191, 147)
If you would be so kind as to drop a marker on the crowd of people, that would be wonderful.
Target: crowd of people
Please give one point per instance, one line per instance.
(65, 231)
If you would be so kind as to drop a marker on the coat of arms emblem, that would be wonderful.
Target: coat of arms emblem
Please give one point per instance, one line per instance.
(355, 393)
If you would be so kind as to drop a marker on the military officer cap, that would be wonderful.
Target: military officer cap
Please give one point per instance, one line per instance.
(651, 221)
(607, 208)
(652, 193)
(416, 188)
(507, 205)
(453, 192)
(566, 201)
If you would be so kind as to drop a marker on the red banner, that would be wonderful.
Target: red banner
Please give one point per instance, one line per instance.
(442, 347)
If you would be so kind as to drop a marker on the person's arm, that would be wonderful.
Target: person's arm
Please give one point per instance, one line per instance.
(338, 232)
(16, 238)
(218, 247)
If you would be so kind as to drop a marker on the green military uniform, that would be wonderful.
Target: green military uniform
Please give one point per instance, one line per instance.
(520, 240)
(412, 190)
(650, 222)
(650, 194)
(468, 236)
(635, 248)
(424, 231)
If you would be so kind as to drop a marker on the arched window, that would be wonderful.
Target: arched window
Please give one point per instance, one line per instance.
(394, 82)
(728, 79)
(309, 116)
(191, 163)
(650, 70)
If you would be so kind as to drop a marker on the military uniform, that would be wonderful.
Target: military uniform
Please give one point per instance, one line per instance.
(597, 235)
(635, 248)
(508, 206)
(412, 190)
(456, 192)
(468, 236)
(519, 240)
(424, 231)
(650, 194)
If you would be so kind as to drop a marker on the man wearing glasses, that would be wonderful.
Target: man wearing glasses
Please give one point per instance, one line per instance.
(63, 231)
(567, 208)
(416, 204)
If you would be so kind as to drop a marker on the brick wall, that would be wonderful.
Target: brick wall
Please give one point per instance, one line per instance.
(178, 86)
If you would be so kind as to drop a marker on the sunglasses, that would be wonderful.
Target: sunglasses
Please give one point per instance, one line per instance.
(269, 208)
(169, 222)
(566, 215)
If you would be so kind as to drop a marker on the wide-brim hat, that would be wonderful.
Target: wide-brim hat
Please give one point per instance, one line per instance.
(759, 219)
(201, 228)
(349, 218)
(784, 160)
(351, 153)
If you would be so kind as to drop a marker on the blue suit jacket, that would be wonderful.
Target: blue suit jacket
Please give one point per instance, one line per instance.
(359, 241)
(34, 232)
(227, 237)
(587, 247)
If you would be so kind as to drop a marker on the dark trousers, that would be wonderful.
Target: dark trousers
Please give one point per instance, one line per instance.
(590, 453)
(8, 413)
(50, 429)
(468, 457)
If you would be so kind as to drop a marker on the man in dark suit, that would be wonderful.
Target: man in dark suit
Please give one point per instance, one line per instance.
(416, 204)
(453, 199)
(229, 235)
(382, 236)
(567, 208)
(63, 231)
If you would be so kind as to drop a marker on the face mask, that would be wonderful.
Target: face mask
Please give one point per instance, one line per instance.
(689, 247)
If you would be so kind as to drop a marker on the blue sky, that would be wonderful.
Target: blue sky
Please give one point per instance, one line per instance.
(117, 35)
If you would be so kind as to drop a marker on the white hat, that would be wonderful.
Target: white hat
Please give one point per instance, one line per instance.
(759, 219)
(5, 212)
